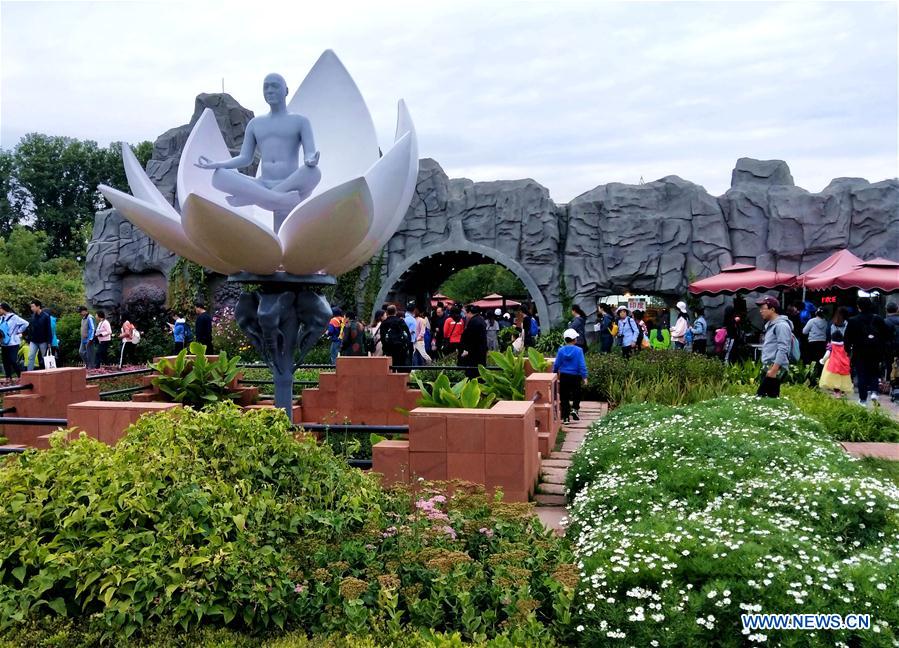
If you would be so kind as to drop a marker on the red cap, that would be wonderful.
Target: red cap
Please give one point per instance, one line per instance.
(770, 302)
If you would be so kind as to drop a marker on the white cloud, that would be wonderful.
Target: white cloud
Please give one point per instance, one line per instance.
(571, 94)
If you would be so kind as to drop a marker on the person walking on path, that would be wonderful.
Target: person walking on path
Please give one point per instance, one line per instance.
(815, 331)
(579, 323)
(40, 333)
(493, 318)
(700, 331)
(181, 335)
(605, 321)
(628, 332)
(453, 328)
(420, 355)
(776, 347)
(11, 328)
(127, 336)
(474, 342)
(203, 327)
(866, 338)
(438, 342)
(733, 342)
(375, 344)
(353, 343)
(104, 338)
(680, 328)
(643, 338)
(660, 336)
(86, 348)
(395, 337)
(835, 374)
(335, 332)
(571, 365)
(892, 371)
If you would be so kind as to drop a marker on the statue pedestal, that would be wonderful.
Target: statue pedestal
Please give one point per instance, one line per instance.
(284, 316)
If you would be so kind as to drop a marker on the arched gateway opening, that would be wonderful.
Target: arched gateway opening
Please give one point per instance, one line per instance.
(421, 274)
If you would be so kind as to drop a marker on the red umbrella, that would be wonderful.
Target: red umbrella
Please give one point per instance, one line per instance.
(495, 301)
(441, 298)
(876, 274)
(741, 278)
(824, 275)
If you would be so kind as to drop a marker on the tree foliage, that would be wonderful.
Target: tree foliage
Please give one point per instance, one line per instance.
(473, 283)
(23, 251)
(49, 184)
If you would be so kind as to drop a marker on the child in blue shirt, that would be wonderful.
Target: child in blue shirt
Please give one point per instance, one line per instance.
(571, 366)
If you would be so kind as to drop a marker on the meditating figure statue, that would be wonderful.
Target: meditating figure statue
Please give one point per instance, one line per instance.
(283, 183)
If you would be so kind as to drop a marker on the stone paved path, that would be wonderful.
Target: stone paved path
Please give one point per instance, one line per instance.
(550, 495)
(878, 450)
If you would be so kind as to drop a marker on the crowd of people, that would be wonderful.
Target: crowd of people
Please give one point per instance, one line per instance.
(419, 336)
(33, 343)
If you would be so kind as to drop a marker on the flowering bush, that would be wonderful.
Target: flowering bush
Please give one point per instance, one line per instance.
(683, 519)
(227, 336)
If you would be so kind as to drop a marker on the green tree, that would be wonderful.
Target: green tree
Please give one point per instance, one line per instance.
(12, 196)
(473, 283)
(23, 252)
(59, 178)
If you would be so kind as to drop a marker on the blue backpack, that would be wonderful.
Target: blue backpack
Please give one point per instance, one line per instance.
(4, 332)
(535, 329)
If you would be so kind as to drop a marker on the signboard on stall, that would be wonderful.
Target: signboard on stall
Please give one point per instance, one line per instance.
(829, 300)
(636, 304)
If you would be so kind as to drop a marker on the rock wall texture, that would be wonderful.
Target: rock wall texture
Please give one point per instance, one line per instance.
(650, 238)
(118, 253)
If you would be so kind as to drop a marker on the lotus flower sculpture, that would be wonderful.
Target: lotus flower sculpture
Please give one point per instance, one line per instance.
(350, 214)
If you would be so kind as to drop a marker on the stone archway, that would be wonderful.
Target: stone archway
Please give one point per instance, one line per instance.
(424, 271)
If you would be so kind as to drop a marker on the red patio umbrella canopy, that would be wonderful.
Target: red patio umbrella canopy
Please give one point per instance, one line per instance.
(824, 275)
(876, 274)
(741, 278)
(441, 298)
(495, 301)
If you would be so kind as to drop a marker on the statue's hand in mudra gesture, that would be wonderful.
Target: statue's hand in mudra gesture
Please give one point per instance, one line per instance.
(205, 163)
(312, 160)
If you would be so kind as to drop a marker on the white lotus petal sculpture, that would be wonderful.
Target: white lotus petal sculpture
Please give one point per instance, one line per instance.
(300, 221)
(356, 203)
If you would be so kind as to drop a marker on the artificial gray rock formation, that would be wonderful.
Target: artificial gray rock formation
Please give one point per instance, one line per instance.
(649, 238)
(119, 254)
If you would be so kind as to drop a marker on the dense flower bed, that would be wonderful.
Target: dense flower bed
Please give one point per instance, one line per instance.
(683, 519)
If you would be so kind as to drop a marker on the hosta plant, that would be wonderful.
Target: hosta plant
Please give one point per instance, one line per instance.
(196, 381)
(465, 393)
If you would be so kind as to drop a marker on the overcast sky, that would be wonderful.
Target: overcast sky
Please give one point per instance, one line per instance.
(572, 94)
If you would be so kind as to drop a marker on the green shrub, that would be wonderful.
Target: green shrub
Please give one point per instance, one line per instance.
(217, 517)
(68, 331)
(549, 342)
(843, 420)
(508, 382)
(685, 518)
(667, 377)
(193, 517)
(196, 381)
(465, 393)
(62, 294)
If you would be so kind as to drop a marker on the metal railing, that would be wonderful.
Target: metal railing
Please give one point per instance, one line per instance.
(15, 388)
(17, 420)
(119, 374)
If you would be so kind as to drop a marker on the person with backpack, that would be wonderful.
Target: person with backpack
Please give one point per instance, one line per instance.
(11, 328)
(892, 324)
(571, 366)
(40, 333)
(660, 336)
(605, 322)
(353, 343)
(681, 326)
(335, 332)
(181, 334)
(700, 331)
(628, 332)
(778, 347)
(130, 337)
(866, 338)
(373, 335)
(395, 337)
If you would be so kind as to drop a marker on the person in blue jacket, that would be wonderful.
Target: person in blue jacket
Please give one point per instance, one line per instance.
(571, 365)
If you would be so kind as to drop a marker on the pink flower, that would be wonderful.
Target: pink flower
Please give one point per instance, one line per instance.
(450, 531)
(487, 532)
(389, 532)
(300, 588)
